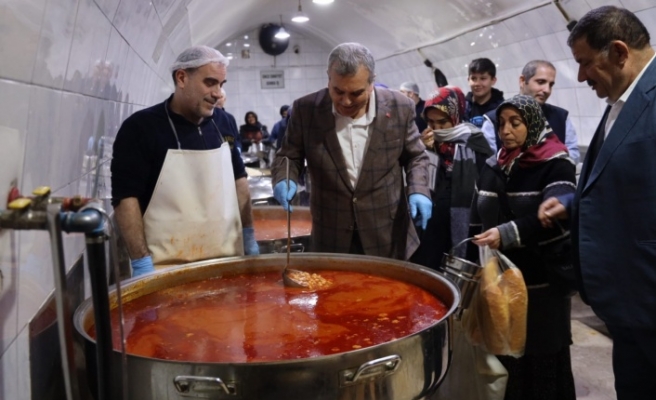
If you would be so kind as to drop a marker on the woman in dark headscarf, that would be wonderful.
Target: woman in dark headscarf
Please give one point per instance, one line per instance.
(458, 151)
(532, 166)
(252, 131)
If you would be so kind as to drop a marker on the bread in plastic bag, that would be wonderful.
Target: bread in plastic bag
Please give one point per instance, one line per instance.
(496, 318)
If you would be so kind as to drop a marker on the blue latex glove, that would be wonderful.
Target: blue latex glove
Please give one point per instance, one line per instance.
(142, 266)
(250, 244)
(421, 203)
(283, 195)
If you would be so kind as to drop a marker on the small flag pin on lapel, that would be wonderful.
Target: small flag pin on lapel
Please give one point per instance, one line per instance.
(388, 115)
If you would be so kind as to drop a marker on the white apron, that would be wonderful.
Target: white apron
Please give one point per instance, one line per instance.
(193, 213)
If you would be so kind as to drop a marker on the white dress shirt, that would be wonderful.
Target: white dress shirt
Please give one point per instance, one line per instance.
(353, 136)
(616, 107)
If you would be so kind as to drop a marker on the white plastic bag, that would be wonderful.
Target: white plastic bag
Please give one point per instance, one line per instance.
(496, 318)
(473, 373)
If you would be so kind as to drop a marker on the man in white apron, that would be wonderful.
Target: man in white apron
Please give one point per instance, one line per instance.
(179, 186)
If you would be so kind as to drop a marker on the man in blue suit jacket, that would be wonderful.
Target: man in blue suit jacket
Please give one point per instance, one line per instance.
(613, 212)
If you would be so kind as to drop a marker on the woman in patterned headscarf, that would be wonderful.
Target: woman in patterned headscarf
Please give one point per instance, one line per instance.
(531, 167)
(457, 151)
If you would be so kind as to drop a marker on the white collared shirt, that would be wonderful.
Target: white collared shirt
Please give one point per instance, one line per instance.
(616, 107)
(353, 136)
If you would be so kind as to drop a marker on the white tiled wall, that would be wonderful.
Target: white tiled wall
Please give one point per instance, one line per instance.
(72, 70)
(305, 72)
(537, 34)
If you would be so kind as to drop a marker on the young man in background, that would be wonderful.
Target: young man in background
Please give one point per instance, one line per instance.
(483, 97)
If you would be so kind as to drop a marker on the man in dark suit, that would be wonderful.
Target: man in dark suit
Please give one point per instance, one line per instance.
(613, 212)
(358, 143)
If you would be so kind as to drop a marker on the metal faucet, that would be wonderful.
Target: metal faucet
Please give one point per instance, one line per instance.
(70, 214)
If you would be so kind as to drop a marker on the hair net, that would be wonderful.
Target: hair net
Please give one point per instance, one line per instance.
(410, 87)
(197, 56)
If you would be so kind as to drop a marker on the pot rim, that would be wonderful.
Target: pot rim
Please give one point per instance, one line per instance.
(87, 305)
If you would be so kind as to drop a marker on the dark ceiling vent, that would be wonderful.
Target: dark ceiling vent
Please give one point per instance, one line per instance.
(269, 43)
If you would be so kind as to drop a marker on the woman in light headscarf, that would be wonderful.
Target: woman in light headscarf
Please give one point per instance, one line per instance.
(458, 151)
(532, 166)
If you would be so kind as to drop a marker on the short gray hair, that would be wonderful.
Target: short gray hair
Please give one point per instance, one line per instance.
(532, 67)
(410, 87)
(346, 58)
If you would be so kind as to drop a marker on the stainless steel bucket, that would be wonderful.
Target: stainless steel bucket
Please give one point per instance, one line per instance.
(464, 273)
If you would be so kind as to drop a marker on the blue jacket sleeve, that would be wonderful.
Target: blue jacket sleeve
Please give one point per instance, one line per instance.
(567, 200)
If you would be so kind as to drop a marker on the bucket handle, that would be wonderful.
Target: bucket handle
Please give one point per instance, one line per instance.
(458, 244)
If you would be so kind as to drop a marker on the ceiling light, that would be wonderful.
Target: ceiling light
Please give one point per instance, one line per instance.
(247, 45)
(228, 44)
(282, 33)
(322, 2)
(300, 16)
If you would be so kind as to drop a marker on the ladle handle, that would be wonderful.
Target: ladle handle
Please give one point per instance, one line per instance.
(289, 216)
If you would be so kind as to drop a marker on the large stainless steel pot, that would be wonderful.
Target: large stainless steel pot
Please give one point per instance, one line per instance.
(300, 243)
(407, 368)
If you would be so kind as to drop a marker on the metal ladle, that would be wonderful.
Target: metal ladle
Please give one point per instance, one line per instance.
(287, 279)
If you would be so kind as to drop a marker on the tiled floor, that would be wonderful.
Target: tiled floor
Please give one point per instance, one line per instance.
(591, 355)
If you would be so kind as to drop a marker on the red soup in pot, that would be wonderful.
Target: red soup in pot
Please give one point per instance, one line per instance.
(253, 317)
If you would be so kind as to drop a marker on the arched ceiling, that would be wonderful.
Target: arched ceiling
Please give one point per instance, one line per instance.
(386, 27)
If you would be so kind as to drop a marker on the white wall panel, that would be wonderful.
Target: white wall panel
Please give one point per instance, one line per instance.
(599, 3)
(55, 43)
(519, 29)
(304, 73)
(115, 62)
(531, 50)
(14, 101)
(43, 138)
(542, 21)
(638, 5)
(551, 49)
(648, 17)
(575, 8)
(108, 7)
(85, 72)
(21, 23)
(139, 24)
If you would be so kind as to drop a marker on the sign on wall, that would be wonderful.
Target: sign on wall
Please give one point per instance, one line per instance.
(272, 79)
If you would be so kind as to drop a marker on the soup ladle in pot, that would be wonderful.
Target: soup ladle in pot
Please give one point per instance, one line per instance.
(291, 277)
